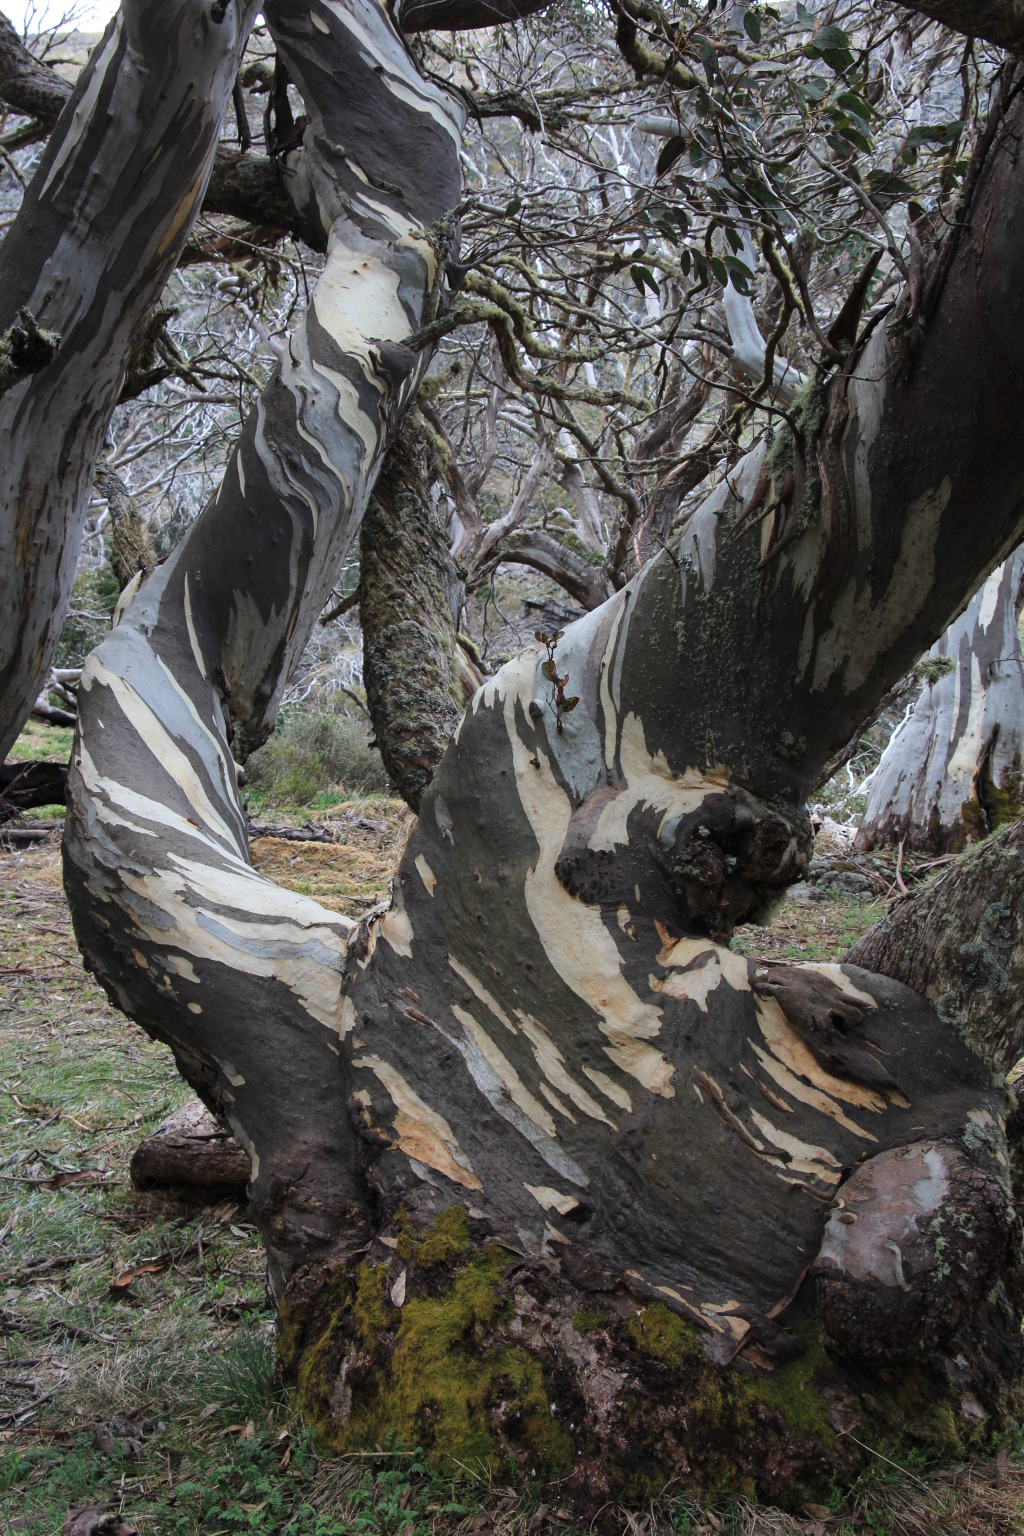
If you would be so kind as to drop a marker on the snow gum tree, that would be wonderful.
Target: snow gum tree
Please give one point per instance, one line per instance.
(544, 1168)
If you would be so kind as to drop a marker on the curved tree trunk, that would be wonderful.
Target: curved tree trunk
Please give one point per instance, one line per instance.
(534, 1152)
(951, 773)
(409, 601)
(156, 834)
(98, 233)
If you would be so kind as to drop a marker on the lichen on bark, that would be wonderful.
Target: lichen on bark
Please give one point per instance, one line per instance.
(409, 598)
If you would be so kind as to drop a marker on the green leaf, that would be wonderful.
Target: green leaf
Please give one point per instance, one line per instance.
(856, 105)
(568, 705)
(681, 219)
(548, 670)
(644, 278)
(832, 45)
(709, 59)
(739, 270)
(700, 263)
(886, 187)
(670, 153)
(719, 268)
(752, 26)
(734, 237)
(934, 133)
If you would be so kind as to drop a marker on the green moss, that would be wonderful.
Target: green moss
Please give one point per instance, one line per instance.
(587, 1318)
(372, 1309)
(789, 1393)
(451, 1396)
(446, 1240)
(661, 1334)
(1003, 803)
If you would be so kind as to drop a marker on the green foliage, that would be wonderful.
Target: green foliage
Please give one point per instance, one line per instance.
(931, 668)
(93, 600)
(310, 754)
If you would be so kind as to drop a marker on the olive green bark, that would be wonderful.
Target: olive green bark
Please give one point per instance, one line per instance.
(960, 942)
(409, 598)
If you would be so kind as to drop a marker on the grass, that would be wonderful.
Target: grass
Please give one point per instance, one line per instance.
(157, 1399)
(804, 930)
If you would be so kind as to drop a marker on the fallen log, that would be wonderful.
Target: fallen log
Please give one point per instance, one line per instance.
(191, 1150)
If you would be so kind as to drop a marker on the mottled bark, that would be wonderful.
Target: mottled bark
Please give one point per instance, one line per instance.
(182, 932)
(409, 601)
(960, 943)
(273, 193)
(97, 235)
(951, 773)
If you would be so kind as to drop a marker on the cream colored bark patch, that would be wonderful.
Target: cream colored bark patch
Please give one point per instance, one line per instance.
(422, 1133)
(785, 1044)
(480, 992)
(835, 974)
(690, 986)
(552, 1199)
(552, 1063)
(650, 781)
(804, 1157)
(610, 1089)
(396, 928)
(574, 937)
(426, 874)
(500, 1064)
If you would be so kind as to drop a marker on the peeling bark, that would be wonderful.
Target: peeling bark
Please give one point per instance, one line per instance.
(178, 927)
(951, 773)
(409, 601)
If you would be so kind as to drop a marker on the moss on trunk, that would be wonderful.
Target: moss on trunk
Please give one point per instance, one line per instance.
(491, 1361)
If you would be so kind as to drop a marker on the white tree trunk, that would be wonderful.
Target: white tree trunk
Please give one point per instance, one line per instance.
(951, 773)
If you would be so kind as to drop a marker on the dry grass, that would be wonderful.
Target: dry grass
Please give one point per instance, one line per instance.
(346, 876)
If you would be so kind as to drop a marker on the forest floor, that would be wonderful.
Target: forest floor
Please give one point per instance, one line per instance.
(136, 1335)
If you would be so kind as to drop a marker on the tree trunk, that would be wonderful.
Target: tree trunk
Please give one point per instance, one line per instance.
(951, 773)
(960, 943)
(206, 647)
(409, 601)
(540, 1162)
(98, 233)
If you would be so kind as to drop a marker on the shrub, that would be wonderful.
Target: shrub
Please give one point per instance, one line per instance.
(311, 753)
